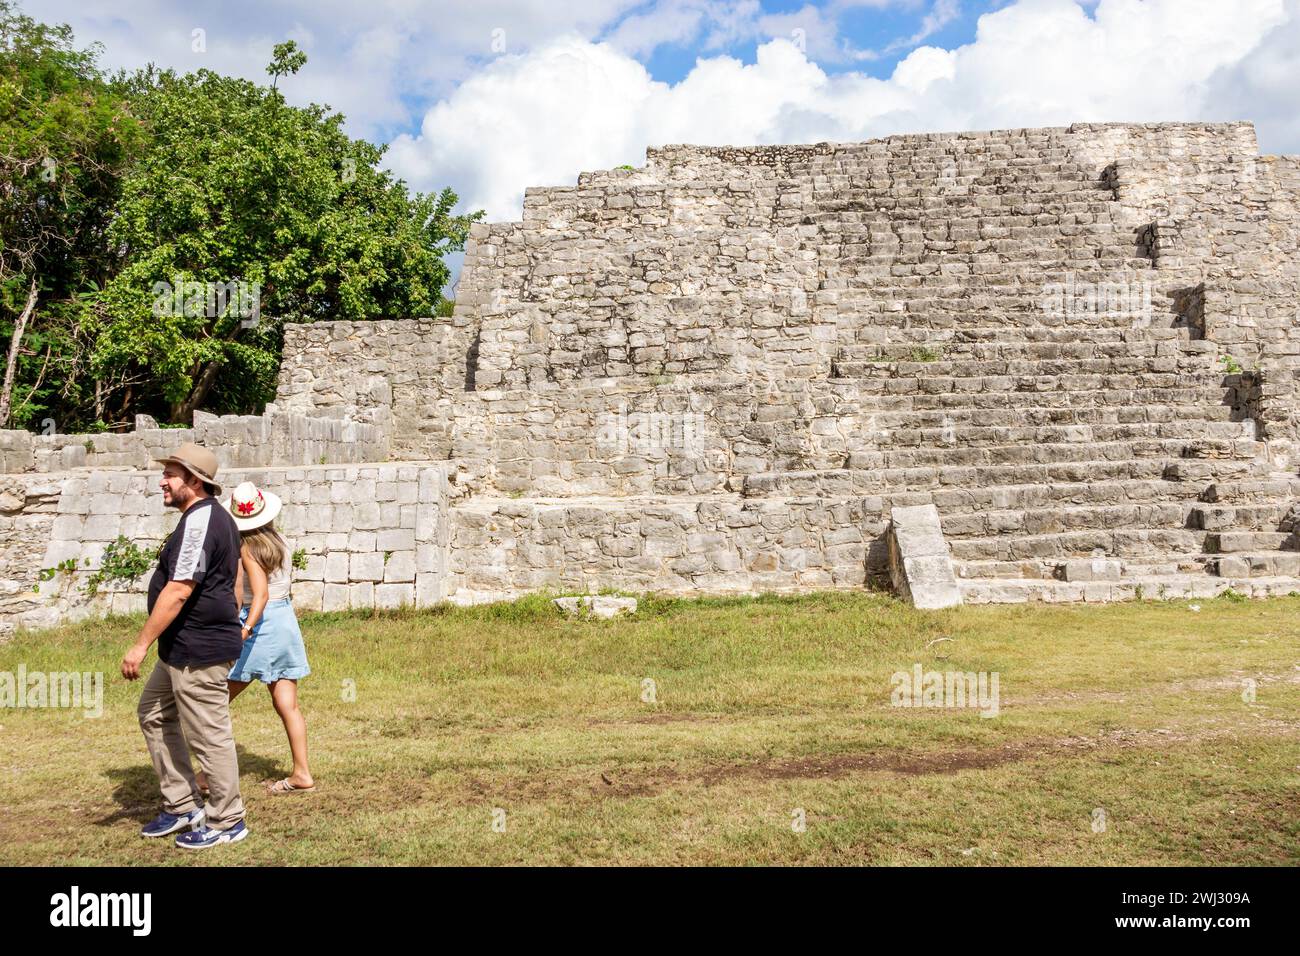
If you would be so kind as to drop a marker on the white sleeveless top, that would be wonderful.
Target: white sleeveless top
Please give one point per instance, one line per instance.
(277, 583)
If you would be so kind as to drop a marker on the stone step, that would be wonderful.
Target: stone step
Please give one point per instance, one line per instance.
(1204, 470)
(961, 279)
(1198, 363)
(1064, 519)
(942, 181)
(1000, 337)
(1237, 542)
(1082, 207)
(843, 163)
(1257, 516)
(1155, 457)
(1026, 148)
(942, 184)
(1013, 351)
(1073, 420)
(1016, 315)
(874, 397)
(857, 253)
(1158, 587)
(888, 320)
(888, 266)
(1255, 564)
(962, 491)
(932, 328)
(1132, 541)
(882, 435)
(904, 151)
(947, 186)
(898, 381)
(1097, 567)
(878, 239)
(905, 280)
(1273, 488)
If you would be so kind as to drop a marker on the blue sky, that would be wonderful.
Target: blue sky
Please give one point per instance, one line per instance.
(864, 28)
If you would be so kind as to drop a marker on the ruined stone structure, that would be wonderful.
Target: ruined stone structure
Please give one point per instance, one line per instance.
(721, 372)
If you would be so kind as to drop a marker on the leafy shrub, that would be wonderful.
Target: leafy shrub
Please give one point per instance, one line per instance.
(122, 561)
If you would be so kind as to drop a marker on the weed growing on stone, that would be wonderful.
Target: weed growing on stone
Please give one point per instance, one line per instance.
(123, 561)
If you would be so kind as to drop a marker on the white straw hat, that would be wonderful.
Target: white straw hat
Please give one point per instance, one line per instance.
(251, 507)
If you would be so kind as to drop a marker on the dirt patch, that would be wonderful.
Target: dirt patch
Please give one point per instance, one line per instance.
(1232, 682)
(657, 719)
(620, 784)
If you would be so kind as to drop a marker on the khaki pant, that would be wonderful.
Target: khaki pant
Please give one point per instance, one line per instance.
(181, 705)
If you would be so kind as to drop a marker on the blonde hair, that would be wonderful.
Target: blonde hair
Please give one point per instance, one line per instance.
(266, 547)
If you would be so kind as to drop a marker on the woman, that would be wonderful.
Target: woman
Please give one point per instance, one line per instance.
(273, 650)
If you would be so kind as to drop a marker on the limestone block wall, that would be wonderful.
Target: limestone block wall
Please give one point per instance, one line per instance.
(684, 436)
(243, 441)
(716, 277)
(373, 536)
(680, 545)
(28, 508)
(403, 372)
(1225, 231)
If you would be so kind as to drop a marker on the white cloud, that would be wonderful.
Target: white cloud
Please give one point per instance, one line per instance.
(925, 65)
(941, 14)
(1263, 86)
(680, 22)
(818, 30)
(382, 61)
(372, 60)
(540, 118)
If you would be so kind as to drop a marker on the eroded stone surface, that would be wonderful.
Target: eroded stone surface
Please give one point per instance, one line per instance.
(920, 564)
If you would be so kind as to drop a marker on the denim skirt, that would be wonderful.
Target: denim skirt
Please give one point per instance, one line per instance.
(274, 651)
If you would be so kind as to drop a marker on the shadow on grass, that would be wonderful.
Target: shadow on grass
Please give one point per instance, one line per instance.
(136, 787)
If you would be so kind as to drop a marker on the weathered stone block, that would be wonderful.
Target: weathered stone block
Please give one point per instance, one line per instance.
(920, 563)
(394, 595)
(368, 566)
(596, 605)
(399, 567)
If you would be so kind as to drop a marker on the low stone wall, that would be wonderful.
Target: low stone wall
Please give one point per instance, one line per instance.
(372, 536)
(325, 436)
(715, 544)
(28, 508)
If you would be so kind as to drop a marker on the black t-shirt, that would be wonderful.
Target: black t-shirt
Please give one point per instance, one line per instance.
(204, 549)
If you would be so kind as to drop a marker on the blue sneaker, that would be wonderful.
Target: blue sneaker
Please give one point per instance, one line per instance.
(166, 823)
(205, 837)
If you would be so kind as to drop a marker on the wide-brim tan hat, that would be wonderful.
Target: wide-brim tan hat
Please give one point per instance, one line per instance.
(251, 507)
(198, 461)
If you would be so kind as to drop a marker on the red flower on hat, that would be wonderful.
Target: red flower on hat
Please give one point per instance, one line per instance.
(246, 507)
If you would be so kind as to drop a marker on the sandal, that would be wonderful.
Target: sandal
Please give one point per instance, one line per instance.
(284, 786)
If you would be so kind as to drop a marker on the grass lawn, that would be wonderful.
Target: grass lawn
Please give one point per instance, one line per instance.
(765, 712)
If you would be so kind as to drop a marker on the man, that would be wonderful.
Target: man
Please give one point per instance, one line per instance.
(193, 617)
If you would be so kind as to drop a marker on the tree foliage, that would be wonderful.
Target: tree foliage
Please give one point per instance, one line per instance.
(169, 180)
(66, 138)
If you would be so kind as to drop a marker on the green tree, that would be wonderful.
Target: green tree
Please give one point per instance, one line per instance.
(238, 186)
(66, 134)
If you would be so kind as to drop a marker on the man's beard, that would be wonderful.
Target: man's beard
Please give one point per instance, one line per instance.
(180, 499)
